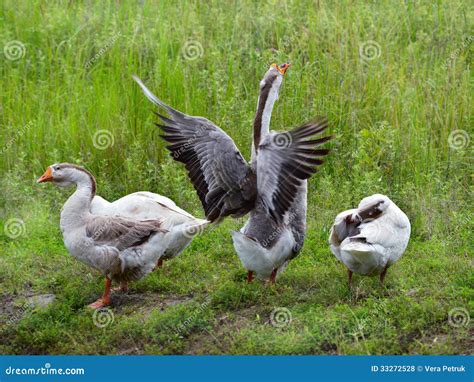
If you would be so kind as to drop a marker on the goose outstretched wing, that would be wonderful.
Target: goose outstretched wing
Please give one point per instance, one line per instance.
(224, 181)
(286, 159)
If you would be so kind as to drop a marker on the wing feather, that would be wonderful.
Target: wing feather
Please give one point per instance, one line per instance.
(222, 178)
(286, 159)
(121, 232)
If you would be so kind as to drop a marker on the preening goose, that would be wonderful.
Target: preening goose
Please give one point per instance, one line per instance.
(370, 238)
(122, 248)
(272, 188)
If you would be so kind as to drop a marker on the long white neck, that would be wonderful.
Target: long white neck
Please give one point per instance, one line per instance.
(261, 123)
(77, 207)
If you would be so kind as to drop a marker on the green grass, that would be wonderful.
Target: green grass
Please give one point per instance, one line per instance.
(393, 117)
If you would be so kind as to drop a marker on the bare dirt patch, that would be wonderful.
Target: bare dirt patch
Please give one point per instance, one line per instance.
(205, 342)
(145, 303)
(13, 308)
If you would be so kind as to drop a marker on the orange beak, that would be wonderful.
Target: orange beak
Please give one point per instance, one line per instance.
(47, 176)
(282, 68)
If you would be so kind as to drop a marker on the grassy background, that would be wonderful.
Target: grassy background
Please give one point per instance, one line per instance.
(393, 116)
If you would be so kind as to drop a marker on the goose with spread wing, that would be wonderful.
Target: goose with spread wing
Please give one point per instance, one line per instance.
(370, 238)
(272, 187)
(124, 248)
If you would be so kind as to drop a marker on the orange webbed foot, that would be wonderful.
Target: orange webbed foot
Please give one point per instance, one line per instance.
(100, 303)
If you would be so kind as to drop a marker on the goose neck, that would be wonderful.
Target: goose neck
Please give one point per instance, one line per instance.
(77, 207)
(266, 101)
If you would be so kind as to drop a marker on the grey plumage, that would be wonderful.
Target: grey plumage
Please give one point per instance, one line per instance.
(121, 232)
(272, 189)
(284, 161)
(224, 181)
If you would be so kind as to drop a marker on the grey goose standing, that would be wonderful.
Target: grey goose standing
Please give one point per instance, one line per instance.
(272, 187)
(125, 240)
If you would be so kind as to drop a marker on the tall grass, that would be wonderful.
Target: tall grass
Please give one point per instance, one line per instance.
(392, 115)
(394, 79)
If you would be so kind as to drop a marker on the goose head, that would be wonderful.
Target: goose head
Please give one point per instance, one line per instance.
(281, 68)
(66, 174)
(273, 77)
(373, 205)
